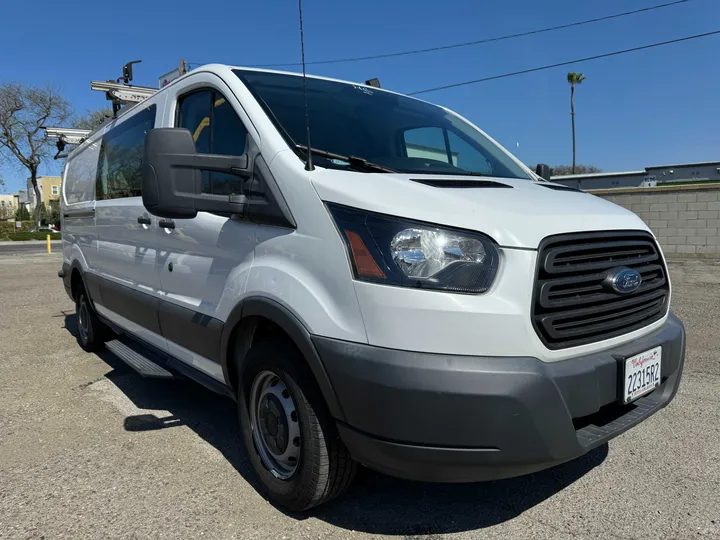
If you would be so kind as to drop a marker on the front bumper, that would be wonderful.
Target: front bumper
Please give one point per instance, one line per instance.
(447, 418)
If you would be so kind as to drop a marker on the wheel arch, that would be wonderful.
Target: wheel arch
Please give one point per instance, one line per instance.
(76, 280)
(239, 332)
(78, 276)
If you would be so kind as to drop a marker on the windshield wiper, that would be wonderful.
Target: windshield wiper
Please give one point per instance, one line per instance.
(352, 161)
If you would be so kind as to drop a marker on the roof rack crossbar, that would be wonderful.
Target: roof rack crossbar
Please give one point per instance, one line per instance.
(65, 136)
(122, 94)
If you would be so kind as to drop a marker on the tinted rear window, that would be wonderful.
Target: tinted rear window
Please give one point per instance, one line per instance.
(120, 168)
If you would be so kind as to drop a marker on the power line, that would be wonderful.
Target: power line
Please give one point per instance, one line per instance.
(559, 64)
(476, 42)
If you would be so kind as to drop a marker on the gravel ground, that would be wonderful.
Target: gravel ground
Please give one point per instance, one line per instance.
(88, 449)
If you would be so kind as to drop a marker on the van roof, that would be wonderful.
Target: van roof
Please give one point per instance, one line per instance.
(214, 68)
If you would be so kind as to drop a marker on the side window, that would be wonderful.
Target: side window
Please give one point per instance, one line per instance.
(79, 181)
(195, 112)
(442, 145)
(120, 167)
(216, 129)
(426, 143)
(466, 157)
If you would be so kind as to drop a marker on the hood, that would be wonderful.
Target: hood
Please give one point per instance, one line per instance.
(520, 215)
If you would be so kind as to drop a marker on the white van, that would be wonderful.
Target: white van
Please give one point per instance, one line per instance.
(406, 295)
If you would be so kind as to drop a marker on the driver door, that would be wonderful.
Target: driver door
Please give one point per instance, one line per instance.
(203, 262)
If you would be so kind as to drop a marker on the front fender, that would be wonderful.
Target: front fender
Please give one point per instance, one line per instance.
(267, 308)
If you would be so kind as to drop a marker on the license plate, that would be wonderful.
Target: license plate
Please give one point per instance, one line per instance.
(642, 374)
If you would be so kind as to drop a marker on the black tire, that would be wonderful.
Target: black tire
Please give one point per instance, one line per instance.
(92, 333)
(324, 468)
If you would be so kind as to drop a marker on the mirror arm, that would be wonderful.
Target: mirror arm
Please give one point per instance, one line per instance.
(210, 162)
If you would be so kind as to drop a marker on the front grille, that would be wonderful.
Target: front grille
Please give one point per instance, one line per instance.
(572, 307)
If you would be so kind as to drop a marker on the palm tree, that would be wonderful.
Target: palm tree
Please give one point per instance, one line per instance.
(573, 78)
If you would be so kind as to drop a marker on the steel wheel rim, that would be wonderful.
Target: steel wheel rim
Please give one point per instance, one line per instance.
(83, 320)
(274, 424)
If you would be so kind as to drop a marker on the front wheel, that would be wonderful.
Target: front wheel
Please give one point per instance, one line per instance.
(92, 333)
(290, 438)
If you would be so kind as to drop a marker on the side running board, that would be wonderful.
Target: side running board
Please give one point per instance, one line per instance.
(139, 358)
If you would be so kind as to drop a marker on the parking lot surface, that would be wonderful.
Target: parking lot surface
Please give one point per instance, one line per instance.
(89, 449)
(27, 248)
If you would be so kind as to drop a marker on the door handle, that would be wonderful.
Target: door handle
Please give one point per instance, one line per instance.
(167, 223)
(144, 220)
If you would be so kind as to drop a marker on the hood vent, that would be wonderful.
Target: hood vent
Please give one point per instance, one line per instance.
(455, 183)
(559, 187)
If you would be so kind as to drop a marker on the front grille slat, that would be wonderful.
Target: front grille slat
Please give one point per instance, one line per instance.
(586, 296)
(601, 256)
(595, 266)
(617, 327)
(574, 257)
(571, 305)
(590, 324)
(557, 293)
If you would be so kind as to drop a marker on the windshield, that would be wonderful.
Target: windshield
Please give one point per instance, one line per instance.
(387, 129)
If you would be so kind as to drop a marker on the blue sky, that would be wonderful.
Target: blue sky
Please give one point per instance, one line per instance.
(650, 107)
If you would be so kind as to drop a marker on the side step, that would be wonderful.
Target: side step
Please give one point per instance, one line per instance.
(140, 359)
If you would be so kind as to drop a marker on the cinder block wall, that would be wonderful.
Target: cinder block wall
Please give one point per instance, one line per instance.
(686, 219)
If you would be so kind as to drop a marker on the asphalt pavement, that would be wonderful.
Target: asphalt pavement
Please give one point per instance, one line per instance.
(31, 246)
(90, 450)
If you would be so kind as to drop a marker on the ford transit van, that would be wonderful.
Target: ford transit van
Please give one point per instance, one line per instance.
(372, 279)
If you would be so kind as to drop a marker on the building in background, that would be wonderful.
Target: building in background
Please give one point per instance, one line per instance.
(650, 176)
(49, 192)
(8, 206)
(20, 197)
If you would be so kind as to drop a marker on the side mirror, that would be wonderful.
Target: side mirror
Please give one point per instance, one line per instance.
(172, 176)
(543, 171)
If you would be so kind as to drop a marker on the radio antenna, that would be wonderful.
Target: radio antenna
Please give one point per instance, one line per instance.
(308, 163)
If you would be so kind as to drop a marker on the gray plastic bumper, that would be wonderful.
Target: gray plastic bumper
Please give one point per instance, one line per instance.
(465, 418)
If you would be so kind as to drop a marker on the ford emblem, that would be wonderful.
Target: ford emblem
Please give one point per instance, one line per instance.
(623, 280)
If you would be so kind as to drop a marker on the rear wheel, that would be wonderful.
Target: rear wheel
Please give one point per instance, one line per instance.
(92, 333)
(291, 439)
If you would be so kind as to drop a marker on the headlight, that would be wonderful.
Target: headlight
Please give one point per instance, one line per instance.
(395, 251)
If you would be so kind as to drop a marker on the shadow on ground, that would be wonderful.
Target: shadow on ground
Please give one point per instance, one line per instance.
(375, 503)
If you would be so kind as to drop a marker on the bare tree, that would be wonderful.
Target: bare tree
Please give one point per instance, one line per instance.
(92, 119)
(23, 111)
